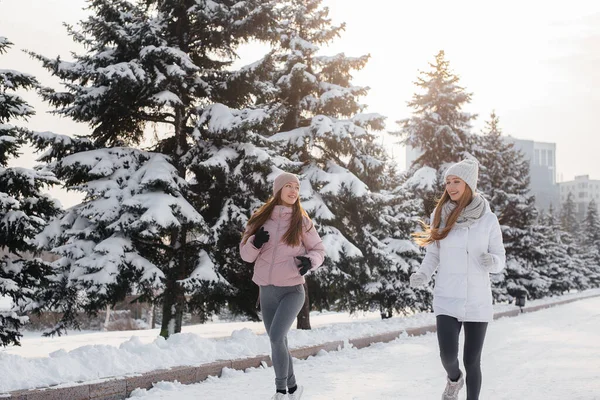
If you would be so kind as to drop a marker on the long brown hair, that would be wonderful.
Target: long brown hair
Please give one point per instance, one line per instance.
(294, 233)
(433, 233)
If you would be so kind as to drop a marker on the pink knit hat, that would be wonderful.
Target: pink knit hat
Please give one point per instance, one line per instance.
(282, 179)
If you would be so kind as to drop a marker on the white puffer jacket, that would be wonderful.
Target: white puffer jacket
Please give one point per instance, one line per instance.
(462, 287)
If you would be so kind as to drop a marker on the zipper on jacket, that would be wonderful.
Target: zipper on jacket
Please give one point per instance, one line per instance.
(274, 249)
(467, 289)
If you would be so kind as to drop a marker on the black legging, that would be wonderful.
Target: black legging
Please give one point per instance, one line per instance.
(448, 329)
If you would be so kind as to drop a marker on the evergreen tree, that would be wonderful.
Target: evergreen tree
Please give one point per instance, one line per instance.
(568, 216)
(233, 167)
(568, 228)
(163, 64)
(24, 209)
(438, 129)
(112, 242)
(504, 181)
(392, 256)
(323, 128)
(556, 267)
(492, 150)
(590, 227)
(590, 244)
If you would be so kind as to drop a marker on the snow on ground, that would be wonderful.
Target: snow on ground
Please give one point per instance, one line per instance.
(94, 356)
(34, 345)
(546, 355)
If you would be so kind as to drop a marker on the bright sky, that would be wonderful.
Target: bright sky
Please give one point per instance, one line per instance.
(535, 62)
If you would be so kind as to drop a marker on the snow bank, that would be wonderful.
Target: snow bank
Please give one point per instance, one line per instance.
(96, 361)
(546, 355)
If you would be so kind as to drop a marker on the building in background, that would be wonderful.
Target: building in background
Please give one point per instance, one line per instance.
(542, 169)
(584, 190)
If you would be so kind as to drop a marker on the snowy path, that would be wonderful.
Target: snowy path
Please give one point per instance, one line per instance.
(34, 345)
(546, 355)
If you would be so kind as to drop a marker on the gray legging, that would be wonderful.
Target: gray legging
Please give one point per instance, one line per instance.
(280, 306)
(448, 329)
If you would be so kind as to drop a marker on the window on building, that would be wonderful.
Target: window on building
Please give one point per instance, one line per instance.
(550, 158)
(537, 157)
(543, 161)
(582, 195)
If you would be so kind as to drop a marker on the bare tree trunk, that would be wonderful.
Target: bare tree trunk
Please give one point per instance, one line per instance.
(303, 321)
(174, 302)
(107, 318)
(174, 295)
(152, 315)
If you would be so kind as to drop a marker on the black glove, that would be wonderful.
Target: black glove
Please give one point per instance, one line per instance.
(260, 237)
(305, 264)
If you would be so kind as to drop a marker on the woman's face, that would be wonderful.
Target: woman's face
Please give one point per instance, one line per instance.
(455, 187)
(290, 193)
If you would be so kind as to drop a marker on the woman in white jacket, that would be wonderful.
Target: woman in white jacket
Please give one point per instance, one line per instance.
(464, 243)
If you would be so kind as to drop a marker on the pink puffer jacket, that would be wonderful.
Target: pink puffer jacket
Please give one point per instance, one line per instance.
(275, 262)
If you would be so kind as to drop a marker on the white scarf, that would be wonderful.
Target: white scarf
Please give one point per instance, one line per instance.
(469, 215)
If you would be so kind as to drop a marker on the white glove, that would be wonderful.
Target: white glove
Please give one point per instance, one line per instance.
(417, 279)
(487, 261)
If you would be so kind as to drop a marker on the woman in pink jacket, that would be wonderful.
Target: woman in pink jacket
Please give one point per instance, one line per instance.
(283, 244)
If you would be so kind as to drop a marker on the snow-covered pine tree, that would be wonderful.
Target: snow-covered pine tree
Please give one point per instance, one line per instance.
(504, 181)
(570, 270)
(391, 254)
(24, 209)
(556, 265)
(233, 166)
(162, 64)
(438, 129)
(590, 244)
(113, 243)
(568, 216)
(231, 159)
(570, 237)
(323, 127)
(440, 132)
(490, 149)
(590, 226)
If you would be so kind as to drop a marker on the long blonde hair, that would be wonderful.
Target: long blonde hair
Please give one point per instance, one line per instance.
(294, 233)
(433, 233)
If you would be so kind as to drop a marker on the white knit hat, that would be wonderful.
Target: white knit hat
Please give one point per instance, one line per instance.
(467, 170)
(281, 181)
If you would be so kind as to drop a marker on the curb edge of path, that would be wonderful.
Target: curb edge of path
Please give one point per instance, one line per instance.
(120, 388)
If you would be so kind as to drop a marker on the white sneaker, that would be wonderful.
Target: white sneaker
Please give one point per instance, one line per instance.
(297, 394)
(452, 388)
(279, 396)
